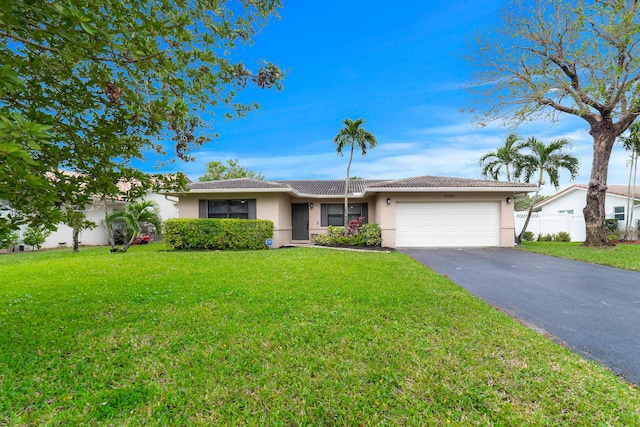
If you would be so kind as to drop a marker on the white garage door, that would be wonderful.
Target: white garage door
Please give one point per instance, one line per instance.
(447, 224)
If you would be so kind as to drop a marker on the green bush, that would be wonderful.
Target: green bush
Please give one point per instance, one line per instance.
(528, 236)
(8, 238)
(562, 236)
(217, 233)
(35, 236)
(611, 224)
(371, 235)
(545, 237)
(335, 232)
(368, 235)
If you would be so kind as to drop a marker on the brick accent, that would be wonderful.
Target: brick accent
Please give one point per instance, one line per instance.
(389, 237)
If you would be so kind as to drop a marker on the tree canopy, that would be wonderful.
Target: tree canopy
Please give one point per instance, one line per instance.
(503, 158)
(218, 170)
(134, 216)
(576, 57)
(90, 87)
(542, 160)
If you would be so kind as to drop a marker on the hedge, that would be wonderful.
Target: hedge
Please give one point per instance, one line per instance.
(368, 235)
(216, 233)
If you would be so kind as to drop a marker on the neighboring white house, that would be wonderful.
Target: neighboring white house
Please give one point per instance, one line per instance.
(63, 236)
(563, 211)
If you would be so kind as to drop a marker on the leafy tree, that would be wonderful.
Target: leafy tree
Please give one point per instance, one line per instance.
(522, 202)
(554, 57)
(8, 239)
(631, 143)
(544, 160)
(35, 236)
(350, 136)
(77, 220)
(503, 158)
(217, 171)
(89, 87)
(134, 217)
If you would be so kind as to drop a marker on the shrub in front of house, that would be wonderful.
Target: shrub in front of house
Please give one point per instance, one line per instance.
(562, 236)
(528, 236)
(611, 224)
(368, 235)
(545, 238)
(35, 236)
(217, 233)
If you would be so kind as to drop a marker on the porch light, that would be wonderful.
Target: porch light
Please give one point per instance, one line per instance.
(388, 201)
(508, 200)
(311, 205)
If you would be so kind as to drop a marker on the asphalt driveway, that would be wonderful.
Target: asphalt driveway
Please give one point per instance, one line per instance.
(594, 310)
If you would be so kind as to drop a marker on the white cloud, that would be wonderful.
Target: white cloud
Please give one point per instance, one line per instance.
(452, 148)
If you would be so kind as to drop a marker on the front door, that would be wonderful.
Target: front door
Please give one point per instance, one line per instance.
(300, 221)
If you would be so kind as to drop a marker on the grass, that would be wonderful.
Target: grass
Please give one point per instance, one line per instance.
(621, 256)
(282, 338)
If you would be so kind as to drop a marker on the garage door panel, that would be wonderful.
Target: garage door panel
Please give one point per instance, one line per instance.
(422, 224)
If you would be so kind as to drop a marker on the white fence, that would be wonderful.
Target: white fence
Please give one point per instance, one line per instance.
(553, 223)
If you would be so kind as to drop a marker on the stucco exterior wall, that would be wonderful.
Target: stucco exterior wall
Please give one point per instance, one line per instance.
(315, 226)
(576, 200)
(269, 206)
(276, 207)
(386, 213)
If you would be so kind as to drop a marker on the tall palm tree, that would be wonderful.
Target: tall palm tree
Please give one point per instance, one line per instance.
(544, 160)
(631, 143)
(504, 157)
(134, 216)
(351, 135)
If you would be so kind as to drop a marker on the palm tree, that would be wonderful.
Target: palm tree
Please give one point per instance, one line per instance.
(631, 143)
(544, 160)
(504, 157)
(351, 135)
(134, 216)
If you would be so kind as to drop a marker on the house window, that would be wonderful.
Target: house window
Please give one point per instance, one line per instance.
(618, 213)
(567, 211)
(236, 208)
(333, 213)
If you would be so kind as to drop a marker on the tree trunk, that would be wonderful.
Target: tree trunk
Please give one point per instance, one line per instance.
(346, 192)
(129, 243)
(629, 206)
(633, 189)
(604, 136)
(76, 233)
(526, 221)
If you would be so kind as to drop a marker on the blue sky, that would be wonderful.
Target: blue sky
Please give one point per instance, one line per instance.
(400, 67)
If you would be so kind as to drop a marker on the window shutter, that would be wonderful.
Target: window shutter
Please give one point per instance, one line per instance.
(365, 213)
(324, 217)
(252, 208)
(202, 208)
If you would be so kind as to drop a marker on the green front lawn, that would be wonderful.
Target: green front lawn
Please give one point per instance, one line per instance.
(621, 256)
(279, 338)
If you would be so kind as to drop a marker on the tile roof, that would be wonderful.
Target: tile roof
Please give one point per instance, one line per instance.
(621, 190)
(239, 183)
(356, 186)
(617, 189)
(449, 182)
(331, 187)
